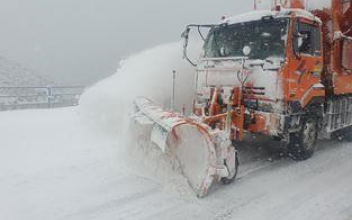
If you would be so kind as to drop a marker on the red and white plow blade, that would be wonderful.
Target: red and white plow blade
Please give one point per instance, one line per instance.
(202, 155)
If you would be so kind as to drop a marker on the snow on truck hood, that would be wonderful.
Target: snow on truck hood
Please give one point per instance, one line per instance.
(258, 15)
(211, 72)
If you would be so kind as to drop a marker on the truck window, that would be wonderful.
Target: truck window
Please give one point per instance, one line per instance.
(266, 39)
(308, 39)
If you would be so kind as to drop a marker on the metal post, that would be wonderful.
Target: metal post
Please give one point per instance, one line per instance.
(173, 90)
(49, 97)
(255, 5)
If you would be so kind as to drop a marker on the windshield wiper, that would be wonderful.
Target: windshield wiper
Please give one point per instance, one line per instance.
(216, 44)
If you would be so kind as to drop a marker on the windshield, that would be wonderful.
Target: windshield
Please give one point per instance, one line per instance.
(265, 38)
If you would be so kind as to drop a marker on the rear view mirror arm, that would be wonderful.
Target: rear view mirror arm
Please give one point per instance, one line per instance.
(185, 36)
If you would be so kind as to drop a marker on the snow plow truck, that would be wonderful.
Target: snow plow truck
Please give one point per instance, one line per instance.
(285, 73)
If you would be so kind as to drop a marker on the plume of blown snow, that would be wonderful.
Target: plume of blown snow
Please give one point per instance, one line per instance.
(107, 106)
(149, 73)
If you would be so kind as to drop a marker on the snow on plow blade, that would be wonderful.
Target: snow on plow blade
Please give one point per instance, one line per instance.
(198, 154)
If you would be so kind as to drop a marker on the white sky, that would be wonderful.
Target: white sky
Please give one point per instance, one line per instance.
(81, 41)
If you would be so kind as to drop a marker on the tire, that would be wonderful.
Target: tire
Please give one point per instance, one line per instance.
(302, 145)
(229, 180)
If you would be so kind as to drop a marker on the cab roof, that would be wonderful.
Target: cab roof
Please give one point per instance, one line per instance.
(258, 15)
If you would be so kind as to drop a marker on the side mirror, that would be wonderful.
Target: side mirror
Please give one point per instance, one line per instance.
(297, 43)
(300, 39)
(185, 37)
(297, 40)
(247, 50)
(185, 34)
(223, 52)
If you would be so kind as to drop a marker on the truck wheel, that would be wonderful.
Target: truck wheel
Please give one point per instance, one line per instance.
(303, 144)
(230, 179)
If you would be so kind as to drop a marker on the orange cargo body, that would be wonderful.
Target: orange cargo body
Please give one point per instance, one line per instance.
(347, 55)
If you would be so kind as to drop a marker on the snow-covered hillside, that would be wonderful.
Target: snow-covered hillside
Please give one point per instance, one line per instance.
(14, 74)
(17, 92)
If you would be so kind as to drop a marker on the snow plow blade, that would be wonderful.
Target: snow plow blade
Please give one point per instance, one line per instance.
(200, 155)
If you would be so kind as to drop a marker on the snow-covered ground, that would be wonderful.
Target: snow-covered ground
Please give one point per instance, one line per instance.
(52, 166)
(77, 163)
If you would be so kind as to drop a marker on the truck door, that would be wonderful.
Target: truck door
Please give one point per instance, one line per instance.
(306, 66)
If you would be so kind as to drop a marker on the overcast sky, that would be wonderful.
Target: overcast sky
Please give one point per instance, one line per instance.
(82, 40)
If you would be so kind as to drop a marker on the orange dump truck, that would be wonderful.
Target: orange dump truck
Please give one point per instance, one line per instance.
(286, 73)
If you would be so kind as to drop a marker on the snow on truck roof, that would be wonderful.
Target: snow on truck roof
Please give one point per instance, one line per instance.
(257, 15)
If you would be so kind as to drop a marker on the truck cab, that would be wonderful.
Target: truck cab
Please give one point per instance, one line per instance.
(286, 73)
(274, 59)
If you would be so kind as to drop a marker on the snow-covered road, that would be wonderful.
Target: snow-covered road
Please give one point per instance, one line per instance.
(54, 167)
